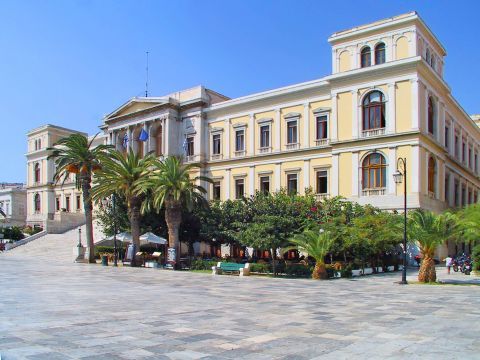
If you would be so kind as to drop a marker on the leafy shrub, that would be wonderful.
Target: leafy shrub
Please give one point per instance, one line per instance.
(476, 257)
(260, 268)
(108, 250)
(346, 271)
(12, 233)
(298, 270)
(330, 270)
(202, 264)
(31, 231)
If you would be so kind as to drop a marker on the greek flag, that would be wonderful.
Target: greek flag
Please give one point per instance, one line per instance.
(125, 141)
(143, 135)
(185, 146)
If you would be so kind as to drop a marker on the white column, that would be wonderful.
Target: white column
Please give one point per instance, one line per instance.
(356, 57)
(146, 143)
(227, 184)
(451, 191)
(227, 139)
(277, 127)
(251, 180)
(392, 164)
(414, 173)
(166, 137)
(306, 125)
(415, 104)
(334, 175)
(355, 167)
(441, 127)
(390, 49)
(130, 138)
(334, 62)
(198, 138)
(306, 174)
(333, 127)
(355, 119)
(441, 183)
(251, 132)
(277, 176)
(424, 123)
(391, 114)
(452, 138)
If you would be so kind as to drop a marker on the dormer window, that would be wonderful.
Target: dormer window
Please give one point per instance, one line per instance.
(365, 57)
(380, 54)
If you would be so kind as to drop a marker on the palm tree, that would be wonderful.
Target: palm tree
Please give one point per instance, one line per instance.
(316, 243)
(120, 174)
(170, 185)
(429, 230)
(75, 154)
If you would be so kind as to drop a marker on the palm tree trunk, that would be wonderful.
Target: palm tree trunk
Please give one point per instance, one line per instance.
(88, 209)
(427, 269)
(319, 271)
(173, 218)
(134, 215)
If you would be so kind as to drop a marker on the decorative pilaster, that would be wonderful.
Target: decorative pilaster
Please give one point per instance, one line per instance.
(227, 184)
(334, 179)
(251, 141)
(391, 115)
(355, 117)
(306, 174)
(415, 104)
(277, 176)
(277, 128)
(334, 120)
(355, 166)
(227, 139)
(306, 125)
(251, 180)
(392, 165)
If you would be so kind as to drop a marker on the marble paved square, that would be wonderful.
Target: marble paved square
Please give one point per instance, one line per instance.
(52, 309)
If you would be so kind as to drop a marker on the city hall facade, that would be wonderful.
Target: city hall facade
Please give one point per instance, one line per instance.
(340, 135)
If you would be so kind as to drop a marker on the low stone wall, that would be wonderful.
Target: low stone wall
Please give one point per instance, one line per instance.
(64, 222)
(36, 236)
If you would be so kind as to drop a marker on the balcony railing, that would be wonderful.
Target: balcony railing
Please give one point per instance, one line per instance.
(373, 192)
(321, 196)
(240, 153)
(190, 158)
(322, 142)
(216, 157)
(431, 195)
(264, 150)
(373, 132)
(292, 146)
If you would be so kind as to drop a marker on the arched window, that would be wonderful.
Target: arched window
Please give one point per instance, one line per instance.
(36, 173)
(431, 116)
(373, 111)
(374, 170)
(380, 53)
(365, 57)
(431, 175)
(37, 203)
(158, 141)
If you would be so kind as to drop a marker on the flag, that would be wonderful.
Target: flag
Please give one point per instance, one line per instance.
(185, 145)
(2, 213)
(143, 135)
(125, 141)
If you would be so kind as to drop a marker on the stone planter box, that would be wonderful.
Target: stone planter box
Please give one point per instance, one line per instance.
(391, 268)
(379, 269)
(367, 271)
(356, 272)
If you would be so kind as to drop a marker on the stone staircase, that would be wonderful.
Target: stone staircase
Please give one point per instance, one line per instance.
(53, 247)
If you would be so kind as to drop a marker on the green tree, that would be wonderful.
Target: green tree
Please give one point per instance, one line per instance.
(75, 154)
(316, 243)
(171, 186)
(429, 230)
(121, 174)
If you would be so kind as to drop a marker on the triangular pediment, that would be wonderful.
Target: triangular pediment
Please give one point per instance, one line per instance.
(135, 105)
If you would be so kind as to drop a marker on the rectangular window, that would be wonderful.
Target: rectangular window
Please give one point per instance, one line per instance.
(292, 132)
(470, 160)
(475, 160)
(322, 127)
(240, 140)
(447, 186)
(216, 190)
(470, 198)
(239, 188)
(190, 146)
(79, 202)
(456, 195)
(447, 137)
(464, 152)
(457, 147)
(67, 203)
(464, 196)
(292, 183)
(265, 184)
(57, 204)
(265, 136)
(322, 182)
(216, 147)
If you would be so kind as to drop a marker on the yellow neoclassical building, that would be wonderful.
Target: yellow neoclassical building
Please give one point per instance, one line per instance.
(339, 135)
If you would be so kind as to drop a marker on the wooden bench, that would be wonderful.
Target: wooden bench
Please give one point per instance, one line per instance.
(231, 268)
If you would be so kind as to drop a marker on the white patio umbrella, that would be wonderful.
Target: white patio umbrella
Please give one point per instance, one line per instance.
(152, 238)
(123, 236)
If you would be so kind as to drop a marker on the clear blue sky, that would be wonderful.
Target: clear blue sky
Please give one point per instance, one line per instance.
(70, 62)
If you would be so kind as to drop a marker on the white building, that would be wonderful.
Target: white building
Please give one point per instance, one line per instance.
(13, 203)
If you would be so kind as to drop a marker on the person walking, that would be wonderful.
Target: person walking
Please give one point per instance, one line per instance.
(448, 263)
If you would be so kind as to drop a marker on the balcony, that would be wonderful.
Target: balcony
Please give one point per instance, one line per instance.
(216, 157)
(293, 146)
(321, 196)
(322, 142)
(240, 153)
(373, 132)
(373, 192)
(265, 150)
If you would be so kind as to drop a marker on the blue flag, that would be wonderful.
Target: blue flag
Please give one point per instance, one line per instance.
(125, 141)
(143, 135)
(185, 146)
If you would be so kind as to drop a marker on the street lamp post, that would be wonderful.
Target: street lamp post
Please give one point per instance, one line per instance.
(399, 176)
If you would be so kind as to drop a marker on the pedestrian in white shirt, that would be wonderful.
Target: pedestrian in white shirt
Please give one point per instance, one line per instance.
(448, 263)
